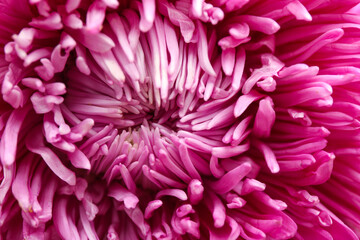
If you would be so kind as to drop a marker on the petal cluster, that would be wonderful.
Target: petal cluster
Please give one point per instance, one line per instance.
(159, 119)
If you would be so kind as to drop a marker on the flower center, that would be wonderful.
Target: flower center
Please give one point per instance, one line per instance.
(95, 97)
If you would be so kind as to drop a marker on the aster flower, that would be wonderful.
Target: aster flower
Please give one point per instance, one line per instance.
(179, 119)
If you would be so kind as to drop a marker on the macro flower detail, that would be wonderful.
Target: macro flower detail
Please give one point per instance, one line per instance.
(179, 119)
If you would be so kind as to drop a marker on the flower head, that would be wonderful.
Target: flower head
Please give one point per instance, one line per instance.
(219, 119)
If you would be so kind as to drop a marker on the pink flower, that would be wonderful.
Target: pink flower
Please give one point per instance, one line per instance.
(186, 119)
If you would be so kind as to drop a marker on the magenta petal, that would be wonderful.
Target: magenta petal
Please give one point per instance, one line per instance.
(118, 28)
(339, 229)
(263, 128)
(203, 51)
(72, 5)
(20, 185)
(95, 17)
(226, 183)
(230, 151)
(217, 209)
(197, 8)
(49, 157)
(299, 11)
(265, 25)
(79, 160)
(65, 225)
(51, 22)
(8, 142)
(244, 101)
(8, 173)
(228, 61)
(271, 65)
(151, 207)
(47, 70)
(121, 194)
(269, 156)
(98, 42)
(149, 10)
(88, 226)
(187, 27)
(172, 192)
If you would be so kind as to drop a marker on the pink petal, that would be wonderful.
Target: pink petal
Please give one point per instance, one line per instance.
(95, 17)
(49, 157)
(9, 138)
(226, 183)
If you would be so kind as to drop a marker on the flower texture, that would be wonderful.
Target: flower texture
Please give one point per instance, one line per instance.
(179, 119)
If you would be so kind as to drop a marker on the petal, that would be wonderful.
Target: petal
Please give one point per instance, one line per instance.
(34, 142)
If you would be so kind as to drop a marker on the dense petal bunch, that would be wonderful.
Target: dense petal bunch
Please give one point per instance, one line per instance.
(180, 119)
